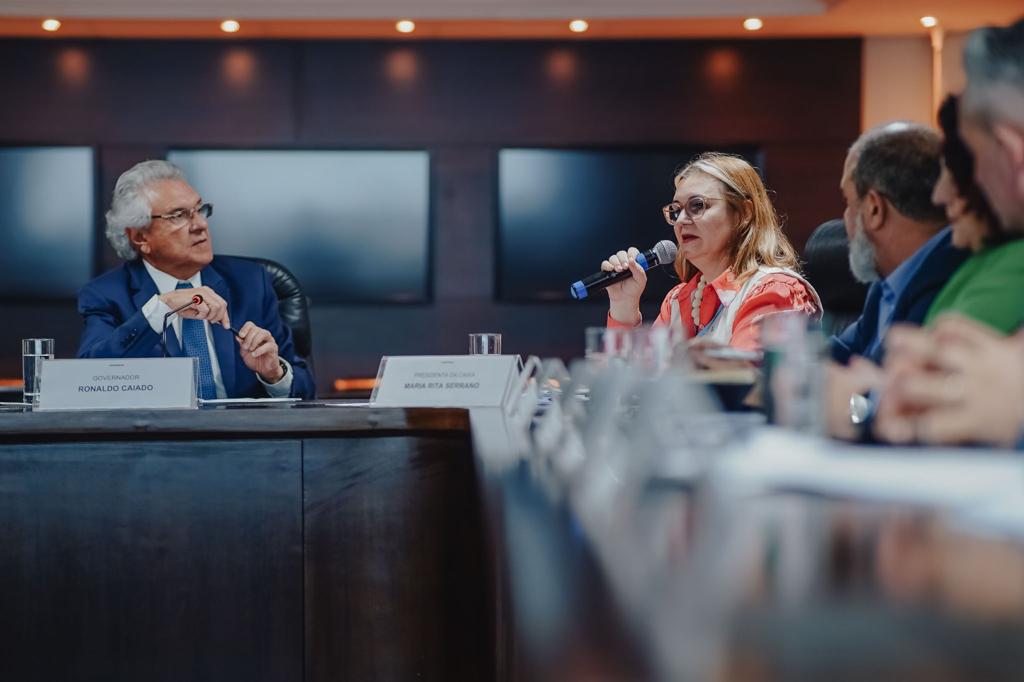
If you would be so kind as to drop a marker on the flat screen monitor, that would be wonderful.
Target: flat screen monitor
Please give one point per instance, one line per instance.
(47, 221)
(562, 211)
(353, 226)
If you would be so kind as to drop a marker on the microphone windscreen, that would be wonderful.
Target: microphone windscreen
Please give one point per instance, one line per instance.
(665, 250)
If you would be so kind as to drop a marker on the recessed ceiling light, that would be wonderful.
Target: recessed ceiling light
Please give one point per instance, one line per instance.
(405, 26)
(579, 25)
(230, 26)
(51, 25)
(753, 24)
(929, 22)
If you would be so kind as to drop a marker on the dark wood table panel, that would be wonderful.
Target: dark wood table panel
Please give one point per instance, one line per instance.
(151, 561)
(238, 421)
(396, 573)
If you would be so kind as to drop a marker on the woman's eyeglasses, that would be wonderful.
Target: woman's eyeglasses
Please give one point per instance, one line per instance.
(694, 207)
(185, 216)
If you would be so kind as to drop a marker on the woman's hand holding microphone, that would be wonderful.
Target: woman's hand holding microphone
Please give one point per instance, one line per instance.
(624, 297)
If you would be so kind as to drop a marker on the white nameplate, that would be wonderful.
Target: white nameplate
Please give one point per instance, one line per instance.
(113, 384)
(444, 380)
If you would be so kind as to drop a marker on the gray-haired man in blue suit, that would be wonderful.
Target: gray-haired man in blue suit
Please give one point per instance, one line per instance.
(158, 223)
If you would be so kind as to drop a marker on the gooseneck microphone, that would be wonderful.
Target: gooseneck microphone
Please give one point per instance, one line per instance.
(196, 300)
(662, 253)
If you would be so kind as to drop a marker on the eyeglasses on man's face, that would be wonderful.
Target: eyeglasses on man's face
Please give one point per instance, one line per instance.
(694, 207)
(184, 216)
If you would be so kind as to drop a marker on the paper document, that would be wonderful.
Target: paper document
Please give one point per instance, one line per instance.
(951, 478)
(245, 401)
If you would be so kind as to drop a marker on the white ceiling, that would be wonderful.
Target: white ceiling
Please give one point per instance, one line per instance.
(417, 9)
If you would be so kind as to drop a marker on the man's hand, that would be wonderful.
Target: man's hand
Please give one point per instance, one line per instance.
(259, 352)
(961, 383)
(213, 308)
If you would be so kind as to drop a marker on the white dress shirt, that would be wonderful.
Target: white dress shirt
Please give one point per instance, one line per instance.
(155, 309)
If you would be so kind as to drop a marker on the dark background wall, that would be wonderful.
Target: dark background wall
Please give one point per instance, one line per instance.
(798, 101)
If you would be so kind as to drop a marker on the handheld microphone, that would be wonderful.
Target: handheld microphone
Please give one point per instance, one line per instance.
(662, 253)
(196, 300)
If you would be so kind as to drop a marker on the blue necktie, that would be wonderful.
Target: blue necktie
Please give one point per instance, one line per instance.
(193, 342)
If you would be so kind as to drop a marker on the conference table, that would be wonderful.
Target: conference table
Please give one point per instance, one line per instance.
(334, 540)
(295, 542)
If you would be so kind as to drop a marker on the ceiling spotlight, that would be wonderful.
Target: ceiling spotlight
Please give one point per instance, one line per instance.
(51, 25)
(578, 25)
(929, 22)
(753, 24)
(405, 26)
(230, 26)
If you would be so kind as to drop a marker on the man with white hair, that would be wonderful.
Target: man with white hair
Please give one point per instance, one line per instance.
(158, 223)
(964, 383)
(992, 117)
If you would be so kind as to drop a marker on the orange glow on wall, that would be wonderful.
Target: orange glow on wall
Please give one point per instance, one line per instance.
(342, 385)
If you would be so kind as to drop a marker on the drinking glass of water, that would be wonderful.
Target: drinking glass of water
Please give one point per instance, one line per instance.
(485, 344)
(33, 352)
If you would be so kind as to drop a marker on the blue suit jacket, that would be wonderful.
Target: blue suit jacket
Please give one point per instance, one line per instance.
(115, 327)
(911, 306)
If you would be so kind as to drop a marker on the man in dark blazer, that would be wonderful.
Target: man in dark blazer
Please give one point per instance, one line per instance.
(897, 241)
(158, 224)
(939, 259)
(899, 246)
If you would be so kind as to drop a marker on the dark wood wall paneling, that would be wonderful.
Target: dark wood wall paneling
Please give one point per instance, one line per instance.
(798, 100)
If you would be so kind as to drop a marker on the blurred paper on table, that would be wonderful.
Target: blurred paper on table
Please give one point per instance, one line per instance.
(944, 478)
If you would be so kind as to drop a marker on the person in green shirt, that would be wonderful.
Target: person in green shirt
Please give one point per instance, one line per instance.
(962, 382)
(989, 286)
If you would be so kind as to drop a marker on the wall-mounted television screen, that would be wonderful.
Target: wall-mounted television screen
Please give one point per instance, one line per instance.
(353, 226)
(47, 221)
(562, 211)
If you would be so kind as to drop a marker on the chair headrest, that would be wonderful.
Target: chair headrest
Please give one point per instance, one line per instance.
(827, 268)
(291, 303)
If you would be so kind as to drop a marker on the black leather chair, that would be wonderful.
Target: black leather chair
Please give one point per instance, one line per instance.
(293, 306)
(827, 268)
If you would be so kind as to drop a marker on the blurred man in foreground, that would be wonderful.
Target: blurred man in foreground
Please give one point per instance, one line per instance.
(964, 383)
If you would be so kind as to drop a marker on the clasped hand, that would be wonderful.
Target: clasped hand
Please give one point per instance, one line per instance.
(256, 345)
(958, 383)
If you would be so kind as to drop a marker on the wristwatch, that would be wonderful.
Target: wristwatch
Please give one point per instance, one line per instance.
(284, 372)
(860, 409)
